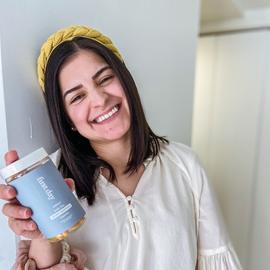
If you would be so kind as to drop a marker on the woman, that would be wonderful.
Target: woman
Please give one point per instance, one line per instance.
(148, 202)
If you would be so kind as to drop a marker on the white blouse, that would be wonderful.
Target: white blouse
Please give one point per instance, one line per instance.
(171, 222)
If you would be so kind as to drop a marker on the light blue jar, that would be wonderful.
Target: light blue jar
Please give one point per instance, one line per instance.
(41, 187)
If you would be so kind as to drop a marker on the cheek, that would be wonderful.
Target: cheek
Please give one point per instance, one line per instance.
(78, 114)
(116, 88)
(118, 91)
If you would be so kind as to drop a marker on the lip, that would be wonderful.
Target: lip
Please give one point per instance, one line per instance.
(110, 118)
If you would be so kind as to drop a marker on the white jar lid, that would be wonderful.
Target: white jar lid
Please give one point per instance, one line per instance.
(23, 163)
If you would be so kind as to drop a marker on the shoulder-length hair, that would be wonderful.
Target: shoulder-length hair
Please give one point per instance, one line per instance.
(78, 159)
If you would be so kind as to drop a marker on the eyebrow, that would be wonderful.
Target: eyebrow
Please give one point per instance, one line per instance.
(100, 71)
(95, 76)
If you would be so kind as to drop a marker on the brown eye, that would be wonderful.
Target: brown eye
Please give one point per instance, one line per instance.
(77, 98)
(105, 80)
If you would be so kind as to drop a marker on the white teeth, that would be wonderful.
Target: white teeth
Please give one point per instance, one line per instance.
(107, 115)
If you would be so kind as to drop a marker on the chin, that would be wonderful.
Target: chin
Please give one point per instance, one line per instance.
(118, 136)
(113, 136)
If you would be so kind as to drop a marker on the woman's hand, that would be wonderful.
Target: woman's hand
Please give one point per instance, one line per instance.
(19, 217)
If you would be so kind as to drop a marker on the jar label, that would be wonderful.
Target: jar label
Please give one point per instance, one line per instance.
(55, 208)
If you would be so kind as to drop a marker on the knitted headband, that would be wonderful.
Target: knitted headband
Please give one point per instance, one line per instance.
(66, 34)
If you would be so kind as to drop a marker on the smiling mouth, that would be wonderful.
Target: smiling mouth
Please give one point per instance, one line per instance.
(107, 115)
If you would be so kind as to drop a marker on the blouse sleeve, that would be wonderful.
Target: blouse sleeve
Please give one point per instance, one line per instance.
(23, 262)
(215, 252)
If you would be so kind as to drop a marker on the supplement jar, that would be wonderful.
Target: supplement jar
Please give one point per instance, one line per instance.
(41, 187)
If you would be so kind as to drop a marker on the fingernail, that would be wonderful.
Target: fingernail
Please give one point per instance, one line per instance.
(25, 213)
(28, 212)
(10, 191)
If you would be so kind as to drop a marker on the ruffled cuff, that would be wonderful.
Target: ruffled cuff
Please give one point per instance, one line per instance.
(23, 262)
(223, 258)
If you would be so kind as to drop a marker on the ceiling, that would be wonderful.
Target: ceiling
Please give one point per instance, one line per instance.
(212, 10)
(255, 3)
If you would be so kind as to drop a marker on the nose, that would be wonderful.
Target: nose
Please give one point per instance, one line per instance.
(97, 97)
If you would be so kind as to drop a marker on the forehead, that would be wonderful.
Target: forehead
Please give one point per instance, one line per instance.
(79, 68)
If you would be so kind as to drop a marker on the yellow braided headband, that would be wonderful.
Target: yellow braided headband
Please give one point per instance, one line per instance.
(68, 34)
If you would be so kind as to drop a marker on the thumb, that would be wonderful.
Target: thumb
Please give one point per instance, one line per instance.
(70, 182)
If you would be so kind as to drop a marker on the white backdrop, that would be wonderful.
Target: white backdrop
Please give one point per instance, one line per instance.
(7, 239)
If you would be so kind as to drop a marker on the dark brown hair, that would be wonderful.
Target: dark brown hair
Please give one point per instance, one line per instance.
(78, 159)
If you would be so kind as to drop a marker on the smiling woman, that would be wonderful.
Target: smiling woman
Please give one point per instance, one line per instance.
(148, 201)
(84, 83)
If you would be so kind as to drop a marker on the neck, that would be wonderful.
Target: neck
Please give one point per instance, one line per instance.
(115, 153)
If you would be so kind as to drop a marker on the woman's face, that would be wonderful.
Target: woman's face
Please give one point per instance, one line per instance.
(94, 98)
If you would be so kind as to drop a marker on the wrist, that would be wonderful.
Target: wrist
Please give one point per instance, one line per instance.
(45, 253)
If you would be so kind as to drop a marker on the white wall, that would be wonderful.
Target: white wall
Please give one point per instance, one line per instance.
(7, 239)
(260, 235)
(3, 127)
(156, 37)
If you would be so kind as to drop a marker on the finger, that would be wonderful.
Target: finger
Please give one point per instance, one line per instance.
(11, 156)
(70, 183)
(7, 192)
(32, 234)
(22, 227)
(12, 210)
